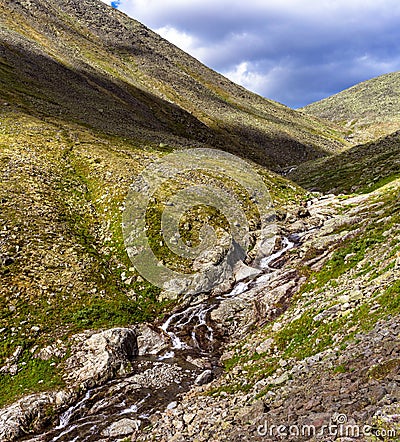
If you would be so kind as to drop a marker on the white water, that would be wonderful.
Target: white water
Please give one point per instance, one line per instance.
(177, 319)
(197, 314)
(135, 407)
(66, 417)
(189, 330)
(287, 245)
(239, 288)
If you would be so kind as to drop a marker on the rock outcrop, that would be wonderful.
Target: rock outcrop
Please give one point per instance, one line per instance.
(96, 357)
(315, 343)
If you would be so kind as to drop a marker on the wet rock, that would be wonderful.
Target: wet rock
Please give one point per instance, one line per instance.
(294, 237)
(150, 341)
(242, 272)
(28, 412)
(204, 378)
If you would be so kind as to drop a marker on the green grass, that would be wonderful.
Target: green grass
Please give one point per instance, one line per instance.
(305, 337)
(36, 376)
(367, 110)
(353, 250)
(340, 369)
(55, 211)
(120, 311)
(229, 389)
(361, 169)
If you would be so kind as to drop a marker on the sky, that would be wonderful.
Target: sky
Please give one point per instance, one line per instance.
(292, 51)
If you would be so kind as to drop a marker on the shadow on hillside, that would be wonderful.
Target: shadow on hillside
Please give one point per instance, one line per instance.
(82, 95)
(362, 168)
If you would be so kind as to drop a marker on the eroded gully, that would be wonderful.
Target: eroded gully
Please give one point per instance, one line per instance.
(155, 382)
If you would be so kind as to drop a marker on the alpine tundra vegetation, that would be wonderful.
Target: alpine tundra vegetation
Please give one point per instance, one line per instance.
(89, 349)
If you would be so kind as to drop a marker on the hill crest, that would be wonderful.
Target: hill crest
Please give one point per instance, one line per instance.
(367, 111)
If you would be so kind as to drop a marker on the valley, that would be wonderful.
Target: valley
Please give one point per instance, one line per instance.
(89, 349)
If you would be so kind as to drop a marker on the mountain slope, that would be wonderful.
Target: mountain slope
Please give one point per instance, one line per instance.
(120, 77)
(89, 98)
(85, 105)
(368, 110)
(362, 168)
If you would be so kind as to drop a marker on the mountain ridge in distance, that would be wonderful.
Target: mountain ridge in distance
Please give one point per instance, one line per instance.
(367, 111)
(362, 168)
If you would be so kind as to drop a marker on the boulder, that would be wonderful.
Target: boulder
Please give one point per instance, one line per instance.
(242, 272)
(123, 427)
(150, 341)
(29, 412)
(204, 378)
(97, 357)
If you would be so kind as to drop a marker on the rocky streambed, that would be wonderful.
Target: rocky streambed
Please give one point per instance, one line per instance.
(127, 375)
(165, 360)
(120, 380)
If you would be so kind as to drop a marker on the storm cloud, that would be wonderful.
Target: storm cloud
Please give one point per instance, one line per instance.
(291, 51)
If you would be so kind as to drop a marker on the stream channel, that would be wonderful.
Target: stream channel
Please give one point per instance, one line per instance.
(139, 394)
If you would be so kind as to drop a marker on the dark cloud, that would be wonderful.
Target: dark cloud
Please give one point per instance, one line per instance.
(291, 51)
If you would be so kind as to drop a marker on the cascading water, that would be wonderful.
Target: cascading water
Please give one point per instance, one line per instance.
(138, 395)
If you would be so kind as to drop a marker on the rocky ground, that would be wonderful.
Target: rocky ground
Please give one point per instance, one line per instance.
(313, 344)
(362, 385)
(305, 353)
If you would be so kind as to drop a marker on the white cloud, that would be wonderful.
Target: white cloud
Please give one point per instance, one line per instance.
(245, 75)
(286, 50)
(183, 40)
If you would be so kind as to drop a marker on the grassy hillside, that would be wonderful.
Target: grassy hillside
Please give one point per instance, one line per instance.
(367, 111)
(63, 265)
(360, 169)
(86, 62)
(88, 98)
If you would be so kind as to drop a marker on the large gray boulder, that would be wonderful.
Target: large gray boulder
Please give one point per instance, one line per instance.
(96, 358)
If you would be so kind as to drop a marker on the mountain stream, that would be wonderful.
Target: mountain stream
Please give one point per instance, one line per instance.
(143, 392)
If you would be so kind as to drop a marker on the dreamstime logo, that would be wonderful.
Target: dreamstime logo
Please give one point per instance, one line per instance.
(193, 216)
(339, 426)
